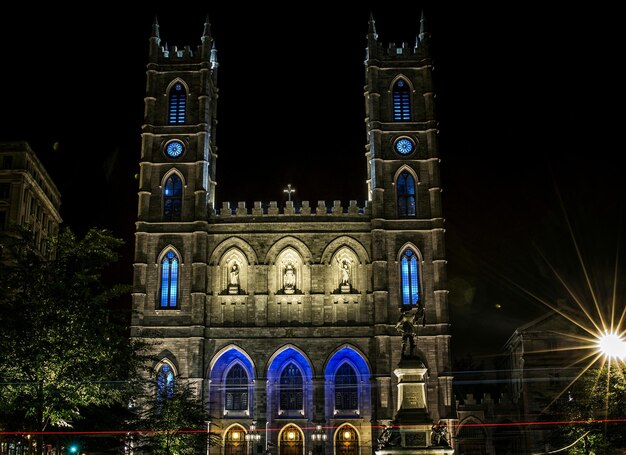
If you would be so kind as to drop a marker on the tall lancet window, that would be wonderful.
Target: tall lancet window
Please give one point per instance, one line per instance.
(236, 389)
(291, 388)
(172, 198)
(346, 390)
(401, 101)
(409, 270)
(406, 194)
(177, 105)
(165, 382)
(169, 281)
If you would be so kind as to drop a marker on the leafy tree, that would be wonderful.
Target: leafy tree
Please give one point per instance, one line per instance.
(594, 406)
(62, 349)
(174, 424)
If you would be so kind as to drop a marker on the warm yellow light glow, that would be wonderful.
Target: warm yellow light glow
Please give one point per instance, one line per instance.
(347, 435)
(235, 435)
(611, 345)
(291, 435)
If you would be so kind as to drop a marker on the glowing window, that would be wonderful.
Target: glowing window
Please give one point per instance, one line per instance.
(410, 278)
(291, 388)
(177, 105)
(172, 199)
(236, 389)
(165, 382)
(406, 194)
(169, 281)
(401, 101)
(346, 390)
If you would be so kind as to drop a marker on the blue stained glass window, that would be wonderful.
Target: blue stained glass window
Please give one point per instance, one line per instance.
(165, 382)
(291, 388)
(346, 390)
(406, 194)
(172, 198)
(410, 278)
(177, 105)
(169, 281)
(236, 389)
(401, 101)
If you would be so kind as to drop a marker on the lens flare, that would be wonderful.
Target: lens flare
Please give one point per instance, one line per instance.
(612, 346)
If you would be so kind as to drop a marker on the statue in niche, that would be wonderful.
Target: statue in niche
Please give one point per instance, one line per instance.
(344, 281)
(233, 279)
(289, 278)
(234, 275)
(345, 273)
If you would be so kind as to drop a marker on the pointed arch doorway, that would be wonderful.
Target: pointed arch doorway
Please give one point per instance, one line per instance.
(291, 441)
(346, 441)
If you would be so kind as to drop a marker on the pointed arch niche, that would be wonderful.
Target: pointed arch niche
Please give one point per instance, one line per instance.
(234, 272)
(289, 270)
(291, 440)
(345, 271)
(231, 383)
(235, 440)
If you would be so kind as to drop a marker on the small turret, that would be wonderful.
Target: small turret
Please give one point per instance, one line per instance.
(214, 63)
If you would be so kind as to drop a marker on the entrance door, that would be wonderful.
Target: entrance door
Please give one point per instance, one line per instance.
(291, 441)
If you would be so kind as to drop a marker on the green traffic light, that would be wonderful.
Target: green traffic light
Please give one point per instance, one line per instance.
(73, 449)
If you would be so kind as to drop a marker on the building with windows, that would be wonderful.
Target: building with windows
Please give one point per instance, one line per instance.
(284, 317)
(28, 196)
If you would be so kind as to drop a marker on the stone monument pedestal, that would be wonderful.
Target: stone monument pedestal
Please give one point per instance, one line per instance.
(412, 430)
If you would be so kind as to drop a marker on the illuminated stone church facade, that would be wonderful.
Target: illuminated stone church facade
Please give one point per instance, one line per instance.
(284, 317)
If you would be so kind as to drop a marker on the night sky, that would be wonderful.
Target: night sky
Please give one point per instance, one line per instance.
(527, 98)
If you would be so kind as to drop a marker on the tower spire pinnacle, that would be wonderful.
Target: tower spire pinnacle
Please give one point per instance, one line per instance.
(423, 27)
(372, 27)
(207, 41)
(206, 34)
(155, 28)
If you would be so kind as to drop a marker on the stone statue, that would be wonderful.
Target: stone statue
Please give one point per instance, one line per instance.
(234, 275)
(345, 273)
(289, 278)
(438, 435)
(407, 325)
(388, 438)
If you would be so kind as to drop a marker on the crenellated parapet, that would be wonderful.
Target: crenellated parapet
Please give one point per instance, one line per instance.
(303, 208)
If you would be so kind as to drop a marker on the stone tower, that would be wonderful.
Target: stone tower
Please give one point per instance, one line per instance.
(284, 317)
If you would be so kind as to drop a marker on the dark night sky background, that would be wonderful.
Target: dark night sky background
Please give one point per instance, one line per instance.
(523, 99)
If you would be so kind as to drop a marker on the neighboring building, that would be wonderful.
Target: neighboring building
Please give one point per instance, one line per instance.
(541, 359)
(284, 317)
(28, 196)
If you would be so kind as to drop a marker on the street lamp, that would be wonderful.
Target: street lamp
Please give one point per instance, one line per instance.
(319, 438)
(252, 436)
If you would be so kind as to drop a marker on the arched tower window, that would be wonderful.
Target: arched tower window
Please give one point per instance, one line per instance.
(291, 388)
(406, 194)
(236, 389)
(346, 389)
(169, 280)
(410, 277)
(165, 382)
(177, 104)
(172, 198)
(401, 101)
